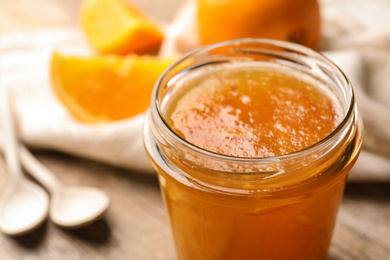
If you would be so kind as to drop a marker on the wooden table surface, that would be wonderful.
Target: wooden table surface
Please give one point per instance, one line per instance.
(136, 225)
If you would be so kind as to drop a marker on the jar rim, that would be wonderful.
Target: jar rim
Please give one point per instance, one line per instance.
(156, 113)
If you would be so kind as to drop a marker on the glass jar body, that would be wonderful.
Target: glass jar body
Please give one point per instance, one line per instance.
(224, 207)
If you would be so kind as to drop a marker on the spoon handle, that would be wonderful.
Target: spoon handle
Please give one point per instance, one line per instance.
(34, 167)
(11, 148)
(15, 152)
(39, 171)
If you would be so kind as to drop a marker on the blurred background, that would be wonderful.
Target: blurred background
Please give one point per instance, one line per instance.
(136, 225)
(18, 15)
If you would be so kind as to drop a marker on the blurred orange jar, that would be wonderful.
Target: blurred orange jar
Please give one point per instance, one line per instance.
(253, 141)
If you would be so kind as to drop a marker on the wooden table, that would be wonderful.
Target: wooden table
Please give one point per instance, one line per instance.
(136, 225)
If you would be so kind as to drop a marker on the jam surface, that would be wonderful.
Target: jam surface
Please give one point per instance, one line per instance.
(252, 111)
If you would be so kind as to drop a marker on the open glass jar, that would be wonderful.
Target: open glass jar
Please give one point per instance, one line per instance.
(278, 207)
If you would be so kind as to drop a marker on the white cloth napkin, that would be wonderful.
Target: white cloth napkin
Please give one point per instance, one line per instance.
(356, 36)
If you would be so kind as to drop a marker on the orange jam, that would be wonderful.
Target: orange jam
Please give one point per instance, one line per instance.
(253, 144)
(250, 111)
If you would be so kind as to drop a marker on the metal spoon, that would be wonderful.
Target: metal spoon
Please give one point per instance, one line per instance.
(23, 205)
(70, 207)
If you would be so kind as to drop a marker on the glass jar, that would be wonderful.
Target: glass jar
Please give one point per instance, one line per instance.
(225, 207)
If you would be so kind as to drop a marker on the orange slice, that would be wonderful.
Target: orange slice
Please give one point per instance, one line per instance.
(115, 26)
(104, 89)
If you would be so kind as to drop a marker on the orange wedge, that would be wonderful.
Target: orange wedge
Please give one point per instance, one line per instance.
(115, 26)
(104, 89)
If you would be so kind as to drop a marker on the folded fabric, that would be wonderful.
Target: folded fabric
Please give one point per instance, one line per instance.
(356, 36)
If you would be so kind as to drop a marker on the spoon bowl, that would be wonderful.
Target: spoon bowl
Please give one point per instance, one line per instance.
(75, 207)
(23, 207)
(71, 206)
